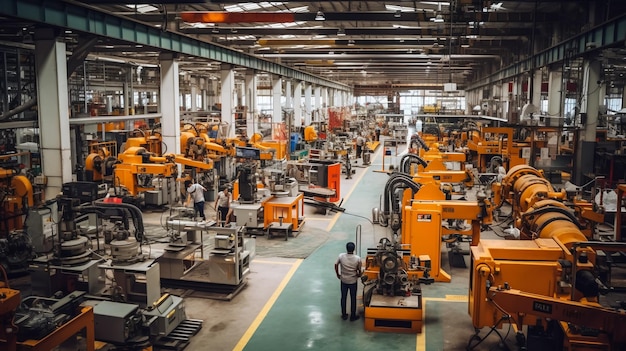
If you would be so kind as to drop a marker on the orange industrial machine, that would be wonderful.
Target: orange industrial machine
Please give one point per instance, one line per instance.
(431, 150)
(434, 171)
(565, 288)
(138, 169)
(525, 188)
(17, 198)
(488, 142)
(99, 163)
(396, 268)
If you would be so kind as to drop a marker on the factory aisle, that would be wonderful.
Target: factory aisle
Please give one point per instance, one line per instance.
(306, 316)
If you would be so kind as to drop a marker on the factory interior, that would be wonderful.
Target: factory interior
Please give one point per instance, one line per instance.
(206, 162)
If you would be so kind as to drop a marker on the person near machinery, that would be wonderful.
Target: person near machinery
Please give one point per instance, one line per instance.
(195, 192)
(222, 205)
(360, 142)
(348, 270)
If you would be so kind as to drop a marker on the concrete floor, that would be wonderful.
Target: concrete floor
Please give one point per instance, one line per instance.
(293, 304)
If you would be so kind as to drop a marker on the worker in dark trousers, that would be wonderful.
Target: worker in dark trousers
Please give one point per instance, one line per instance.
(360, 141)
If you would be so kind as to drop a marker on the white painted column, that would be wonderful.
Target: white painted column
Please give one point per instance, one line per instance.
(170, 103)
(56, 155)
(277, 93)
(317, 108)
(212, 85)
(590, 101)
(288, 94)
(194, 94)
(536, 93)
(202, 85)
(308, 106)
(297, 104)
(592, 68)
(250, 82)
(555, 98)
(228, 98)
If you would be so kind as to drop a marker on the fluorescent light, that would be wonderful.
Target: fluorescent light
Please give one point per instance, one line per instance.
(320, 16)
(341, 32)
(397, 14)
(437, 19)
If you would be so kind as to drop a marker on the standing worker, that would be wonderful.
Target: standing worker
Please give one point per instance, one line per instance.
(196, 193)
(348, 270)
(377, 131)
(222, 205)
(360, 141)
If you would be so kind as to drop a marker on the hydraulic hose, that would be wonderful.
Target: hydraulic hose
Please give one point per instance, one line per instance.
(135, 215)
(405, 163)
(396, 180)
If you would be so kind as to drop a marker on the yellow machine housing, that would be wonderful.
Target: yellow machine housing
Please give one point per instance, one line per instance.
(18, 197)
(139, 167)
(422, 227)
(553, 279)
(310, 134)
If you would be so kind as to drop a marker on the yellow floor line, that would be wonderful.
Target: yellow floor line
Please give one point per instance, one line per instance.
(259, 318)
(420, 338)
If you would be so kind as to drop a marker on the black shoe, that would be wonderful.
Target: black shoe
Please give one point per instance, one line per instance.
(354, 318)
(344, 316)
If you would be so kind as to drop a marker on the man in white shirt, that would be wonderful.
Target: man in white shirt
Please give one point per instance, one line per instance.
(196, 193)
(348, 270)
(222, 205)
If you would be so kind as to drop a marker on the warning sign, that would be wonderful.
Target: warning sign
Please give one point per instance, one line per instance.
(424, 217)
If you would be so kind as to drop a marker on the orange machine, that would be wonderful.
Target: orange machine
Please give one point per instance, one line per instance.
(560, 278)
(488, 142)
(525, 188)
(17, 193)
(99, 163)
(138, 168)
(395, 269)
(434, 171)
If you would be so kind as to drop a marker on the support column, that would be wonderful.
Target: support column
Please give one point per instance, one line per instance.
(555, 97)
(56, 155)
(194, 94)
(277, 93)
(212, 86)
(308, 106)
(228, 98)
(251, 93)
(317, 108)
(297, 104)
(588, 118)
(288, 94)
(202, 84)
(535, 94)
(170, 103)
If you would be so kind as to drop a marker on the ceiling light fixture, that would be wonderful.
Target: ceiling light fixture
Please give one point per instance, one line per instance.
(350, 42)
(437, 19)
(397, 14)
(215, 30)
(320, 15)
(341, 32)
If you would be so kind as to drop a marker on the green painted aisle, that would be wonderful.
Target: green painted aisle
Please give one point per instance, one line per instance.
(306, 315)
